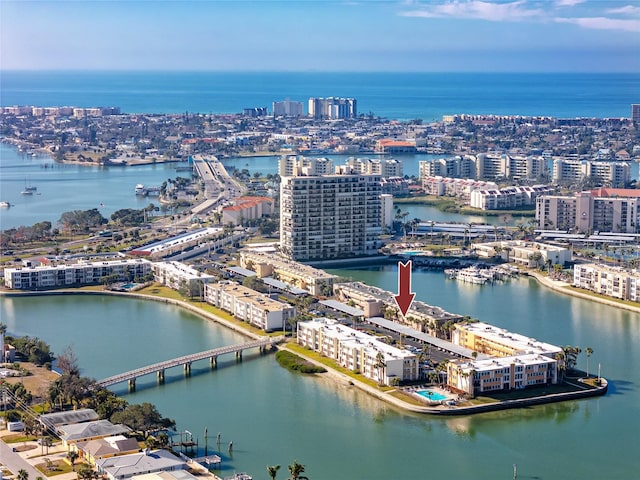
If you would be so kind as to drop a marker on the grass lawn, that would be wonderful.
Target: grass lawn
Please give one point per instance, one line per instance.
(332, 364)
(55, 467)
(526, 393)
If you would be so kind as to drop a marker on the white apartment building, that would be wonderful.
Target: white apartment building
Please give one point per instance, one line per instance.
(358, 351)
(491, 166)
(506, 373)
(179, 276)
(250, 306)
(507, 198)
(294, 165)
(615, 174)
(313, 280)
(386, 210)
(365, 166)
(287, 108)
(613, 282)
(81, 273)
(330, 216)
(602, 210)
(454, 167)
(454, 187)
(524, 253)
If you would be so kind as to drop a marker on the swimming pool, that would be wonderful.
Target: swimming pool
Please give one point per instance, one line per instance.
(431, 395)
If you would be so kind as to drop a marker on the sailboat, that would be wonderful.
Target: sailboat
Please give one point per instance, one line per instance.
(28, 189)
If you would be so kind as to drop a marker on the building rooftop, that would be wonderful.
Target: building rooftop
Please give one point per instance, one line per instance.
(520, 343)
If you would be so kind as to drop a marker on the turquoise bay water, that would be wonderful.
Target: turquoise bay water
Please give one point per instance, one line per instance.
(275, 417)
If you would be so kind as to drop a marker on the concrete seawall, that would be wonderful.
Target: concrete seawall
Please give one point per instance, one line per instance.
(338, 376)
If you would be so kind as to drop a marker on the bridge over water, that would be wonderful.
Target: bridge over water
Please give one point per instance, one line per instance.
(186, 360)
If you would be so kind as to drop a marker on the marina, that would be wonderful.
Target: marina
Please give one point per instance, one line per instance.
(477, 275)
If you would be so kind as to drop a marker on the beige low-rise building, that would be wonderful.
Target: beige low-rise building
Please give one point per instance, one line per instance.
(505, 373)
(313, 280)
(375, 301)
(498, 342)
(249, 305)
(613, 282)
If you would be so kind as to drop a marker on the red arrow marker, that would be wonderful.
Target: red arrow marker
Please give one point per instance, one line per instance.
(404, 299)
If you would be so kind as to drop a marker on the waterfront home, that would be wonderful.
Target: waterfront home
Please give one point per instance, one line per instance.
(97, 449)
(86, 431)
(128, 466)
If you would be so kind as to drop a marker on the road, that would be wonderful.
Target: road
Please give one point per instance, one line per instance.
(14, 462)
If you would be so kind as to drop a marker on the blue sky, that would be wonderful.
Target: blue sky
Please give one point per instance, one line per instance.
(298, 35)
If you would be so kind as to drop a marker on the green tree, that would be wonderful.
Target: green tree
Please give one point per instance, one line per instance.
(272, 470)
(142, 418)
(72, 456)
(22, 474)
(85, 472)
(380, 365)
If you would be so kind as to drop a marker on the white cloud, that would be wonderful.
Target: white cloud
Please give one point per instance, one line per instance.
(626, 10)
(603, 23)
(568, 3)
(477, 9)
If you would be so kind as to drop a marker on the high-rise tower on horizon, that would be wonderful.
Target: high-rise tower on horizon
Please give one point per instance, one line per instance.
(635, 112)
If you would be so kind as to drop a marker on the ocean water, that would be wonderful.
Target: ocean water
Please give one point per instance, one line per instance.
(402, 96)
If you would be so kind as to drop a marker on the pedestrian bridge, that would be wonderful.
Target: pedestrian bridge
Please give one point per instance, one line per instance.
(187, 360)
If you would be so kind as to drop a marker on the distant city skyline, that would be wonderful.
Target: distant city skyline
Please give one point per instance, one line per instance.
(312, 35)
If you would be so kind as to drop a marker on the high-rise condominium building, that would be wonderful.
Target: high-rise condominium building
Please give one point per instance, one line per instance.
(330, 216)
(635, 113)
(287, 108)
(333, 108)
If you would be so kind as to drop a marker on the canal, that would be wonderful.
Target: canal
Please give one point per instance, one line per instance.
(275, 417)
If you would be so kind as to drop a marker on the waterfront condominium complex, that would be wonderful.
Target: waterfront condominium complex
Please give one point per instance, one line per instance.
(333, 108)
(602, 210)
(330, 216)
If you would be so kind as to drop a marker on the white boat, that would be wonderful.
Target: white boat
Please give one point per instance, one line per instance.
(471, 275)
(5, 204)
(139, 189)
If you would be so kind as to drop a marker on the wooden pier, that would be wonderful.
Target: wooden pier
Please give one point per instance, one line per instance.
(187, 360)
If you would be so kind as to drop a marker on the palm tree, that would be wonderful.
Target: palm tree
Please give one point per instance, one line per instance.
(296, 469)
(588, 351)
(73, 456)
(561, 358)
(380, 365)
(272, 470)
(22, 474)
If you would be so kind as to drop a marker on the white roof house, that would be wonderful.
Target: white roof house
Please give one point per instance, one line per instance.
(127, 466)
